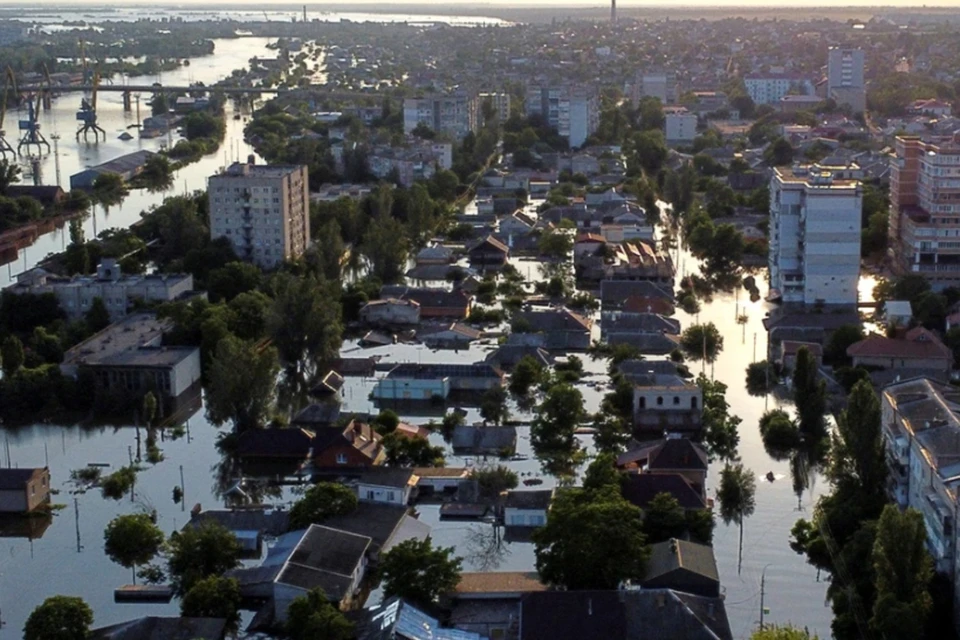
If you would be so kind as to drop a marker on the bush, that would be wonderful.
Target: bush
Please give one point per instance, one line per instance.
(492, 481)
(117, 484)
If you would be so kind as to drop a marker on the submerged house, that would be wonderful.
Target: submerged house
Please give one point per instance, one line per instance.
(426, 382)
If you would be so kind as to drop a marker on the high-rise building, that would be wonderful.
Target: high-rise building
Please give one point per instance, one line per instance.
(573, 110)
(814, 236)
(500, 100)
(613, 10)
(844, 68)
(924, 231)
(655, 84)
(454, 113)
(264, 210)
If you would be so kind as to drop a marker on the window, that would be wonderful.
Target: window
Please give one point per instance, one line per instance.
(33, 490)
(643, 402)
(341, 458)
(693, 402)
(676, 400)
(370, 494)
(391, 496)
(659, 401)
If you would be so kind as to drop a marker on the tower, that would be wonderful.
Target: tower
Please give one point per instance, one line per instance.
(613, 11)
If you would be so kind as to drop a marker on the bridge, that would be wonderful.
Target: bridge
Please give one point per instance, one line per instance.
(147, 88)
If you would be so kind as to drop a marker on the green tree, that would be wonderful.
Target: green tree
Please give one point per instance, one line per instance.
(952, 340)
(385, 247)
(529, 373)
(234, 278)
(556, 419)
(9, 175)
(312, 616)
(419, 572)
(97, 316)
(810, 396)
(903, 571)
(243, 381)
(720, 429)
(402, 451)
(702, 342)
(779, 433)
(159, 105)
(11, 355)
(602, 474)
(59, 618)
(213, 597)
(556, 244)
(592, 540)
(157, 173)
(249, 315)
(132, 540)
(779, 153)
(858, 452)
(494, 480)
(646, 151)
(196, 553)
(305, 322)
(321, 501)
(835, 352)
(737, 496)
(109, 189)
(493, 406)
(664, 519)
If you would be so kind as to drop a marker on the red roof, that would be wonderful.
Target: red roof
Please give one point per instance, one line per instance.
(589, 237)
(641, 304)
(917, 344)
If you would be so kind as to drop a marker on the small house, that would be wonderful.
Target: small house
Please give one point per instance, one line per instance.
(317, 415)
(158, 628)
(390, 312)
(562, 329)
(488, 253)
(355, 446)
(433, 255)
(248, 525)
(24, 490)
(790, 348)
(484, 440)
(682, 566)
(897, 313)
(671, 455)
(640, 489)
(453, 336)
(440, 479)
(919, 349)
(396, 619)
(390, 485)
(527, 508)
(664, 402)
(518, 224)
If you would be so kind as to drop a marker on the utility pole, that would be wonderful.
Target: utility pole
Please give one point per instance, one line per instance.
(763, 584)
(56, 154)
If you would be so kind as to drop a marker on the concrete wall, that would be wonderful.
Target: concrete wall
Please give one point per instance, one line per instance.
(386, 495)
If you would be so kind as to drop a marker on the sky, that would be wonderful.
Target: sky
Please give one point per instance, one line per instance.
(625, 4)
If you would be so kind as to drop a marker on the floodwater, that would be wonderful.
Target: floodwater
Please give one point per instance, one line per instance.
(68, 557)
(74, 155)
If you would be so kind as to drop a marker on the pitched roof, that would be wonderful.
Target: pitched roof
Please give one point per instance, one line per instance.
(556, 320)
(671, 555)
(375, 520)
(487, 243)
(641, 488)
(275, 443)
(619, 290)
(640, 322)
(539, 499)
(318, 414)
(491, 582)
(669, 454)
(324, 558)
(157, 628)
(14, 479)
(398, 477)
(272, 523)
(394, 619)
(919, 342)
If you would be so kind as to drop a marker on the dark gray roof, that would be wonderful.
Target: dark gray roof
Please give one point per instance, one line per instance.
(617, 291)
(323, 414)
(275, 443)
(13, 479)
(631, 368)
(646, 343)
(508, 355)
(672, 555)
(273, 523)
(655, 614)
(438, 371)
(324, 558)
(387, 476)
(641, 488)
(374, 520)
(639, 322)
(156, 628)
(555, 320)
(484, 438)
(678, 453)
(539, 499)
(826, 321)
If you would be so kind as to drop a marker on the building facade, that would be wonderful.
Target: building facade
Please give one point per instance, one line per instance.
(454, 113)
(844, 68)
(500, 101)
(661, 85)
(770, 88)
(925, 209)
(119, 292)
(680, 126)
(573, 110)
(814, 236)
(263, 210)
(24, 490)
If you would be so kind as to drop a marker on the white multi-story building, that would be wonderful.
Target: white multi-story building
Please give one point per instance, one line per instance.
(119, 292)
(680, 125)
(574, 111)
(655, 84)
(925, 209)
(769, 88)
(814, 236)
(263, 210)
(454, 113)
(921, 435)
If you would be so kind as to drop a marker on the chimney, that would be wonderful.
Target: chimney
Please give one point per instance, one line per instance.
(197, 510)
(613, 11)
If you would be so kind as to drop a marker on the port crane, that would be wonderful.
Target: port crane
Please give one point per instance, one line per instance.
(9, 81)
(88, 114)
(30, 129)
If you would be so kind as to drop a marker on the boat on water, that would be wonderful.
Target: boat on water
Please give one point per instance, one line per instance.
(532, 482)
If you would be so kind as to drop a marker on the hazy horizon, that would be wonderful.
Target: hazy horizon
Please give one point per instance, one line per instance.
(478, 4)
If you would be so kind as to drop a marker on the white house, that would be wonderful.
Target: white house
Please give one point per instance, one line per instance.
(680, 126)
(390, 485)
(518, 224)
(440, 479)
(527, 508)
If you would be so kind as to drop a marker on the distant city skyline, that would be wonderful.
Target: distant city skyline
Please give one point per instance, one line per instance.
(622, 5)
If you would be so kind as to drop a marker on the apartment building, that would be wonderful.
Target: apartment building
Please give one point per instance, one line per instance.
(679, 125)
(573, 110)
(924, 232)
(769, 88)
(454, 114)
(814, 236)
(118, 291)
(264, 210)
(655, 84)
(844, 68)
(499, 100)
(921, 436)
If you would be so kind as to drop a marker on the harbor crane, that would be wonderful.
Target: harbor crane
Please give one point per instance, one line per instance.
(30, 129)
(9, 81)
(88, 114)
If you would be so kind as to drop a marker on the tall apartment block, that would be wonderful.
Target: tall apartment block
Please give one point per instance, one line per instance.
(500, 101)
(814, 236)
(655, 84)
(574, 111)
(924, 232)
(769, 88)
(845, 77)
(264, 210)
(454, 113)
